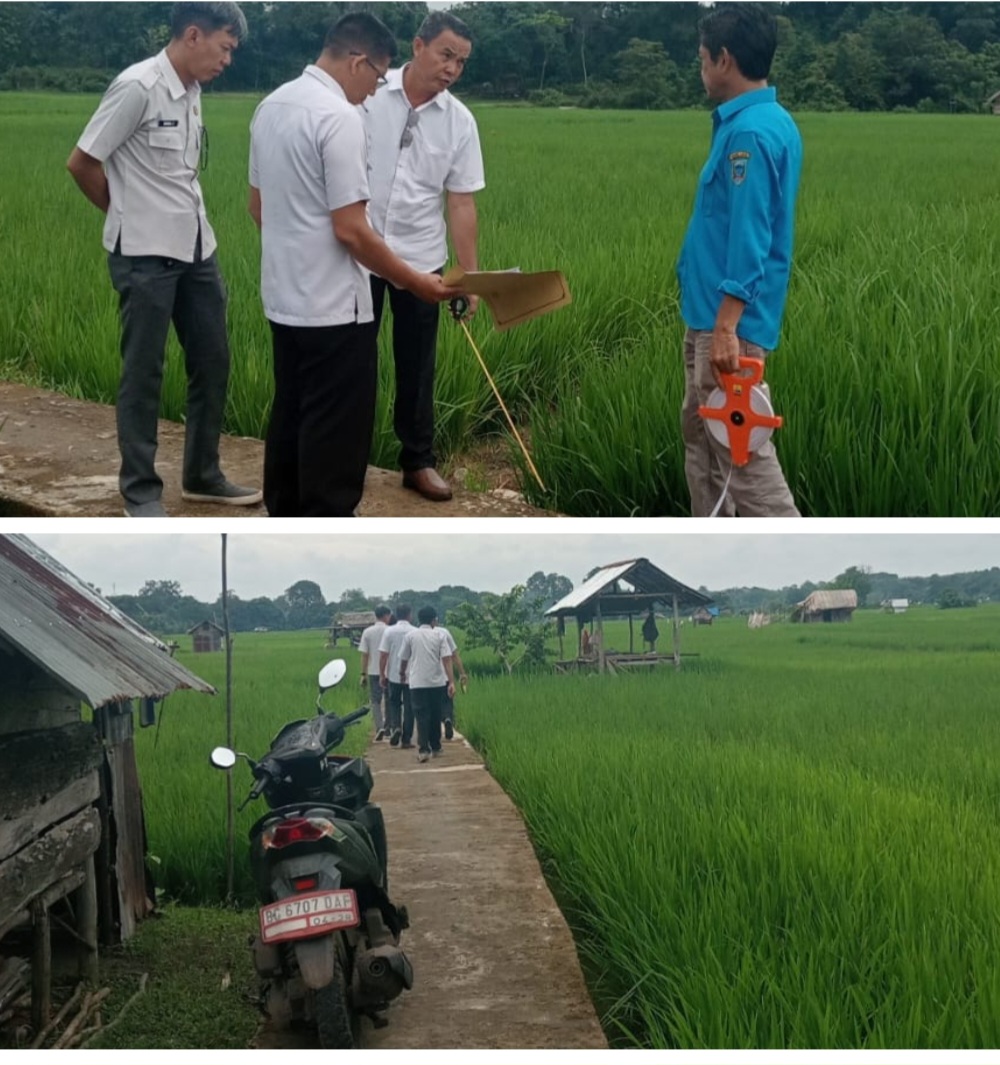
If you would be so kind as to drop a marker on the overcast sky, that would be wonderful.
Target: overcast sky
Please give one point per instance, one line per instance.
(385, 562)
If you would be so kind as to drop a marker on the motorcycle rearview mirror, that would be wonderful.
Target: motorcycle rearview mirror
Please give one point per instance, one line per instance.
(332, 674)
(223, 758)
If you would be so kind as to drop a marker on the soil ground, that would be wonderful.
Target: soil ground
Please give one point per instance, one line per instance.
(495, 966)
(59, 458)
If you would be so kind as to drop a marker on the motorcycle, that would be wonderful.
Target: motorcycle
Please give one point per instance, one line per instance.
(328, 947)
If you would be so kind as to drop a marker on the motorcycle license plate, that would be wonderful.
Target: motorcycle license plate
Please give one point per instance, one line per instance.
(305, 916)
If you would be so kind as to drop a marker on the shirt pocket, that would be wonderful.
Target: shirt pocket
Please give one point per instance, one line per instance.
(430, 167)
(167, 147)
(712, 193)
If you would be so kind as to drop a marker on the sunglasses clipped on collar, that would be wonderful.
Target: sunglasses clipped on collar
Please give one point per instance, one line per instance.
(412, 121)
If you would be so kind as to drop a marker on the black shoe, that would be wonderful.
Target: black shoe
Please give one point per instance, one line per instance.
(380, 735)
(406, 746)
(449, 729)
(397, 737)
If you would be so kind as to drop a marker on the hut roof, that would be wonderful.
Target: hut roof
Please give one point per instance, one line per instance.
(56, 620)
(206, 625)
(645, 583)
(829, 599)
(355, 620)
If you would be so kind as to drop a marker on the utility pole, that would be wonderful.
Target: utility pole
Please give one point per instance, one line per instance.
(230, 817)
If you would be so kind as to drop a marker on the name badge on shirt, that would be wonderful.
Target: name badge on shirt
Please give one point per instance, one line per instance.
(166, 123)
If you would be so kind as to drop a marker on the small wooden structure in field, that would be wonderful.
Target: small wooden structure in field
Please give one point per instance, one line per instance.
(351, 626)
(622, 590)
(830, 606)
(702, 616)
(993, 103)
(71, 819)
(207, 638)
(896, 606)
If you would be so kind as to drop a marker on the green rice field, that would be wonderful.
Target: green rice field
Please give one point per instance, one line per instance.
(888, 376)
(793, 842)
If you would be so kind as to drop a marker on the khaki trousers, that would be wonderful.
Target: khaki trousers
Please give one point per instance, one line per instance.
(758, 490)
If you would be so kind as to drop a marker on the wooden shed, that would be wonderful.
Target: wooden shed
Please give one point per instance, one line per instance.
(71, 819)
(993, 103)
(207, 638)
(351, 626)
(702, 616)
(831, 605)
(622, 590)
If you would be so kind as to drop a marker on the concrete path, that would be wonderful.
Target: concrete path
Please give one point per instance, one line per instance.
(495, 965)
(59, 459)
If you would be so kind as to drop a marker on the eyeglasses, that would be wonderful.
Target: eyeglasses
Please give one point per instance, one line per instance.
(203, 147)
(380, 79)
(412, 121)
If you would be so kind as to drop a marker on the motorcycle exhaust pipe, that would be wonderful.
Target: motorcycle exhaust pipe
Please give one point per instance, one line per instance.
(381, 975)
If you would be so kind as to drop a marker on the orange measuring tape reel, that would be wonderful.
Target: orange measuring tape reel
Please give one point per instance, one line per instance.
(739, 415)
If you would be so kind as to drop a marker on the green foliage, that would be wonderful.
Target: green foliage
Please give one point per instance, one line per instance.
(765, 850)
(502, 623)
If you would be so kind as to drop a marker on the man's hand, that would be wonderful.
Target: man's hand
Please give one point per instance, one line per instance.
(431, 289)
(364, 679)
(725, 354)
(464, 679)
(451, 689)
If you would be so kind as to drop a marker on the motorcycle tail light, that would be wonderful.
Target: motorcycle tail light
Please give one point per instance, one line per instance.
(297, 830)
(306, 883)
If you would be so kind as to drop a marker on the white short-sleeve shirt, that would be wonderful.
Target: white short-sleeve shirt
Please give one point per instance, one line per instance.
(424, 650)
(308, 158)
(371, 640)
(148, 133)
(392, 645)
(408, 183)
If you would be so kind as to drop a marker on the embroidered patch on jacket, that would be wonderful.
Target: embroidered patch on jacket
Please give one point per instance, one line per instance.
(740, 162)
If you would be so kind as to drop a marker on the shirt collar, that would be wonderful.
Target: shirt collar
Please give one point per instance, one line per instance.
(394, 83)
(325, 79)
(176, 87)
(726, 111)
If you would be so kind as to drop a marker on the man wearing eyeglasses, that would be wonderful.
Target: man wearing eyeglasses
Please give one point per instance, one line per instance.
(425, 152)
(138, 162)
(309, 196)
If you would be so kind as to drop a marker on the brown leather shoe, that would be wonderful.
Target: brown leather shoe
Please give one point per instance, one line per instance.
(429, 484)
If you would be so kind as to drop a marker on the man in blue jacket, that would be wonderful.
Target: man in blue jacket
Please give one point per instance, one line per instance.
(736, 261)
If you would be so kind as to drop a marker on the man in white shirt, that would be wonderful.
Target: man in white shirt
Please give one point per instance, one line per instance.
(425, 150)
(399, 712)
(448, 701)
(371, 640)
(138, 162)
(309, 196)
(426, 666)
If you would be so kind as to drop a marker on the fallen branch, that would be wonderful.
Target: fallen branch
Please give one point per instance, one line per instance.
(128, 1005)
(90, 1004)
(87, 1033)
(44, 1033)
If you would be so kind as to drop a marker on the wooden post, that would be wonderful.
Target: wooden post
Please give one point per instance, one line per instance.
(631, 636)
(41, 965)
(86, 923)
(602, 660)
(230, 815)
(677, 635)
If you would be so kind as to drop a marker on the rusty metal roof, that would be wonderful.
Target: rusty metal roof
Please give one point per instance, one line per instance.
(645, 583)
(66, 628)
(829, 599)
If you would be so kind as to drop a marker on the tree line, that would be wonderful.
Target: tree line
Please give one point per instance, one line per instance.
(833, 56)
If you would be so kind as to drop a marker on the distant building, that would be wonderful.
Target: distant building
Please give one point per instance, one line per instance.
(207, 638)
(993, 103)
(704, 616)
(831, 605)
(351, 625)
(896, 606)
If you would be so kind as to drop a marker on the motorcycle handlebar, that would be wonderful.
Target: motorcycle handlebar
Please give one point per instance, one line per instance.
(352, 719)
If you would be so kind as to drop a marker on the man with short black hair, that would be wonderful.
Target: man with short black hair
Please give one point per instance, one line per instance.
(309, 196)
(736, 262)
(138, 162)
(425, 155)
(426, 665)
(371, 640)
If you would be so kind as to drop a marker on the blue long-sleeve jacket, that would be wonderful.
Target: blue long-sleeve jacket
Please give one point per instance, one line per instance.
(739, 241)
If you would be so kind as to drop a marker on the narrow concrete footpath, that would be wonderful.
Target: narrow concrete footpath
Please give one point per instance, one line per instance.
(495, 965)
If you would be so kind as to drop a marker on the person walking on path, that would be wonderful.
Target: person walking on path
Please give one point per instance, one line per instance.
(448, 701)
(371, 674)
(736, 260)
(427, 667)
(399, 712)
(425, 154)
(309, 196)
(138, 162)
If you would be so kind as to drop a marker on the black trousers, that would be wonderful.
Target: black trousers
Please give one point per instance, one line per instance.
(399, 711)
(154, 292)
(322, 422)
(426, 704)
(414, 346)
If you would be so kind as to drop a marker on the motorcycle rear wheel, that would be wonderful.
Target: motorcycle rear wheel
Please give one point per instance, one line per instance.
(338, 1025)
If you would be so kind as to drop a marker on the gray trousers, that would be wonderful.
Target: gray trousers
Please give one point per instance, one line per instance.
(758, 490)
(376, 699)
(153, 292)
